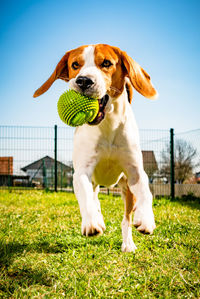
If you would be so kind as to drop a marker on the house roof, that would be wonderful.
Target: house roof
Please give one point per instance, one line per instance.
(149, 159)
(48, 162)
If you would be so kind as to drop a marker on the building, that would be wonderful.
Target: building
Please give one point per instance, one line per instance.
(197, 177)
(41, 172)
(7, 178)
(6, 171)
(150, 164)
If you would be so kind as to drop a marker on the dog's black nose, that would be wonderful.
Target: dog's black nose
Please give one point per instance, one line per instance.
(84, 82)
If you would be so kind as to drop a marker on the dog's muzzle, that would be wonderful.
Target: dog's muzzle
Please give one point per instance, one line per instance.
(101, 114)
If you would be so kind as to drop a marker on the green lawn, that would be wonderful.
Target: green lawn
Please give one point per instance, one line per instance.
(42, 252)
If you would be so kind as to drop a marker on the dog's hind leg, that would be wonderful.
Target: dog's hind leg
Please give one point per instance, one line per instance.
(143, 212)
(129, 201)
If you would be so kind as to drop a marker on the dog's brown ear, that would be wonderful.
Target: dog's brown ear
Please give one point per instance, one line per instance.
(140, 80)
(61, 72)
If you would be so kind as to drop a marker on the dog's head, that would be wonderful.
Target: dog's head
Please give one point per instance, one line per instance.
(100, 71)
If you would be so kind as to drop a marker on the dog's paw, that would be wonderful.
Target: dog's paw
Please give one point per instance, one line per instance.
(144, 219)
(128, 246)
(93, 225)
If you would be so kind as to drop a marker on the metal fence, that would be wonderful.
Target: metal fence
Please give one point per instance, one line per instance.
(41, 157)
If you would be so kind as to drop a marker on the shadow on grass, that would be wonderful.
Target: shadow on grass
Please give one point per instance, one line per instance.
(188, 200)
(8, 251)
(20, 275)
(17, 271)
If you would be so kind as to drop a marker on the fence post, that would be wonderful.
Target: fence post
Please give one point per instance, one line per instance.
(44, 175)
(61, 176)
(9, 173)
(55, 159)
(172, 162)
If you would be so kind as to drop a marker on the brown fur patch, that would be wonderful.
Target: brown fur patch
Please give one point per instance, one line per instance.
(63, 69)
(138, 77)
(114, 75)
(129, 90)
(130, 202)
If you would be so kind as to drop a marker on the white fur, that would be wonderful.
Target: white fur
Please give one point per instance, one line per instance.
(128, 244)
(103, 154)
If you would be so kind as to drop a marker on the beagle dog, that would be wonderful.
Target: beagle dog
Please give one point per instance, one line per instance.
(107, 150)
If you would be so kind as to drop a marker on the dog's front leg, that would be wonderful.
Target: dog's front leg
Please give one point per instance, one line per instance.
(85, 159)
(92, 219)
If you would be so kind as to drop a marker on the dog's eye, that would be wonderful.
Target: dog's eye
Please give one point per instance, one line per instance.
(75, 65)
(106, 63)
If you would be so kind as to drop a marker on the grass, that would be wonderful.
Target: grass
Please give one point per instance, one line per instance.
(42, 252)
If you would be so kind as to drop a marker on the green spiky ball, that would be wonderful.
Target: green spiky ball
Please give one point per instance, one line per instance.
(76, 109)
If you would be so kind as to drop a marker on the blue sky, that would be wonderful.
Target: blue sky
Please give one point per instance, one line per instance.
(162, 36)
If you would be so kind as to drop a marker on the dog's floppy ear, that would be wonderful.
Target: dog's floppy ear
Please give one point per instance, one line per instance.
(140, 80)
(61, 72)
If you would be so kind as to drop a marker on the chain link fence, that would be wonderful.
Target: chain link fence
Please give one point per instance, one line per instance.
(41, 157)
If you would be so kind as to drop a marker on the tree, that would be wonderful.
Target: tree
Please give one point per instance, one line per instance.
(184, 155)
